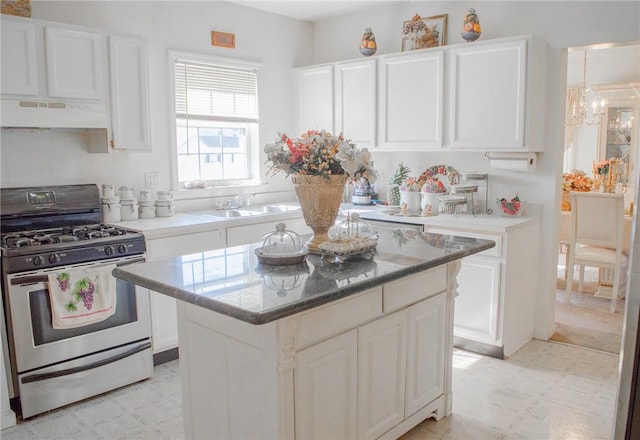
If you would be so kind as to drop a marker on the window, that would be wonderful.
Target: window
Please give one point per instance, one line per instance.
(216, 114)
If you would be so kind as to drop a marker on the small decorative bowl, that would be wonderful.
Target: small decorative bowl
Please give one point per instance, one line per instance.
(511, 209)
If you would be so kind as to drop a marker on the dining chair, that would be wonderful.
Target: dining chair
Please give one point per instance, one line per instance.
(596, 237)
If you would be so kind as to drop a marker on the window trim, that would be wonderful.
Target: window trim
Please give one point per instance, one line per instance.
(175, 55)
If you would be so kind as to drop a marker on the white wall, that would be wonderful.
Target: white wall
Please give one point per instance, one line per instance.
(562, 25)
(33, 157)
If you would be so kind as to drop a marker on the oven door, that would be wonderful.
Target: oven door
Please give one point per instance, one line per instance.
(35, 343)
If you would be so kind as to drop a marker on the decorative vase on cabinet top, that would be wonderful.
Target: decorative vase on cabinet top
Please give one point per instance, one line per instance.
(368, 43)
(471, 29)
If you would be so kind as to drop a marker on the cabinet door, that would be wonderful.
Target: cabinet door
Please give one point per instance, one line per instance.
(411, 100)
(356, 101)
(326, 389)
(164, 321)
(129, 92)
(315, 101)
(382, 347)
(425, 352)
(74, 61)
(19, 69)
(488, 87)
(477, 308)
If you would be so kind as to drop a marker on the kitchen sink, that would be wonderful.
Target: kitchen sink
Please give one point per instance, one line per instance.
(248, 212)
(274, 209)
(230, 213)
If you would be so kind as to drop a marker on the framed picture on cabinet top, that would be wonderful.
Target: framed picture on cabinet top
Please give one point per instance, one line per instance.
(424, 32)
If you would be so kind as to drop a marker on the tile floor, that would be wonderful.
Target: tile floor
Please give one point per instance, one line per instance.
(544, 391)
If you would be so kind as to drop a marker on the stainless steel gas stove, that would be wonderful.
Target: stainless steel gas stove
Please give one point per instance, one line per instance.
(52, 230)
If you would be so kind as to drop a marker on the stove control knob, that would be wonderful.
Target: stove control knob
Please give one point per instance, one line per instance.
(38, 260)
(54, 258)
(122, 249)
(109, 250)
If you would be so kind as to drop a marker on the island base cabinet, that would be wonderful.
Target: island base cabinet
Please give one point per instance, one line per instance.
(374, 375)
(326, 389)
(426, 348)
(382, 347)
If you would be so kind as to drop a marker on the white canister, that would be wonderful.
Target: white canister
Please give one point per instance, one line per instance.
(129, 209)
(429, 202)
(147, 208)
(164, 208)
(146, 195)
(126, 192)
(111, 209)
(164, 196)
(411, 199)
(108, 190)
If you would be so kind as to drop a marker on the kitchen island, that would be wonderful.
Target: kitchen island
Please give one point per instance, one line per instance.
(359, 349)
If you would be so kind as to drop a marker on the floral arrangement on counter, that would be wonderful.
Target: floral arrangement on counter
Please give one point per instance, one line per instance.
(319, 153)
(413, 184)
(434, 185)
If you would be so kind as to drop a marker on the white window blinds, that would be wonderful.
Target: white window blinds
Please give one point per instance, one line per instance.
(209, 91)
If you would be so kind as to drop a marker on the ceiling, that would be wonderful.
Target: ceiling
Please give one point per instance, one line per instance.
(312, 10)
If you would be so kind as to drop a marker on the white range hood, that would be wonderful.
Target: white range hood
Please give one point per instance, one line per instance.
(53, 114)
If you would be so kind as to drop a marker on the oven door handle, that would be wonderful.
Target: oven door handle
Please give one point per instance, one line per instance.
(35, 279)
(74, 370)
(30, 280)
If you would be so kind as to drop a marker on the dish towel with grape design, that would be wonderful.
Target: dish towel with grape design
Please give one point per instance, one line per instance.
(82, 296)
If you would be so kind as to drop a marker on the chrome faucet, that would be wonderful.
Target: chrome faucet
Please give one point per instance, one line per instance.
(240, 201)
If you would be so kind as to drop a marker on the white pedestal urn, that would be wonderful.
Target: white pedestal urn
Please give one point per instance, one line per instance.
(319, 198)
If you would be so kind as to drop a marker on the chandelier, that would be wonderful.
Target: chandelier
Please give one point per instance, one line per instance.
(578, 111)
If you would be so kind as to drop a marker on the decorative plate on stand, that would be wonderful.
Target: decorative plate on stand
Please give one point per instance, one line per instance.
(442, 171)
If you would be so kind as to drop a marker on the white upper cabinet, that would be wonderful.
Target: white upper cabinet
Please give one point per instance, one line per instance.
(20, 75)
(74, 63)
(411, 98)
(487, 95)
(496, 95)
(356, 101)
(129, 78)
(315, 103)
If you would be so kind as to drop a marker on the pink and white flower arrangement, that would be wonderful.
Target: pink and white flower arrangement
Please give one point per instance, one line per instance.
(319, 153)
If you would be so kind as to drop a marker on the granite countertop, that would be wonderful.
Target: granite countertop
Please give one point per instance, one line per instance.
(231, 281)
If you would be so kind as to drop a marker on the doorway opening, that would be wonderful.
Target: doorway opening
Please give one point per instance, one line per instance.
(609, 131)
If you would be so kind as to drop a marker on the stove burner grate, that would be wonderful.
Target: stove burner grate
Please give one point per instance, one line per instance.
(66, 234)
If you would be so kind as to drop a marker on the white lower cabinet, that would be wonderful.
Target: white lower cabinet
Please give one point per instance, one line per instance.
(478, 304)
(426, 349)
(382, 347)
(370, 365)
(326, 390)
(392, 367)
(495, 306)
